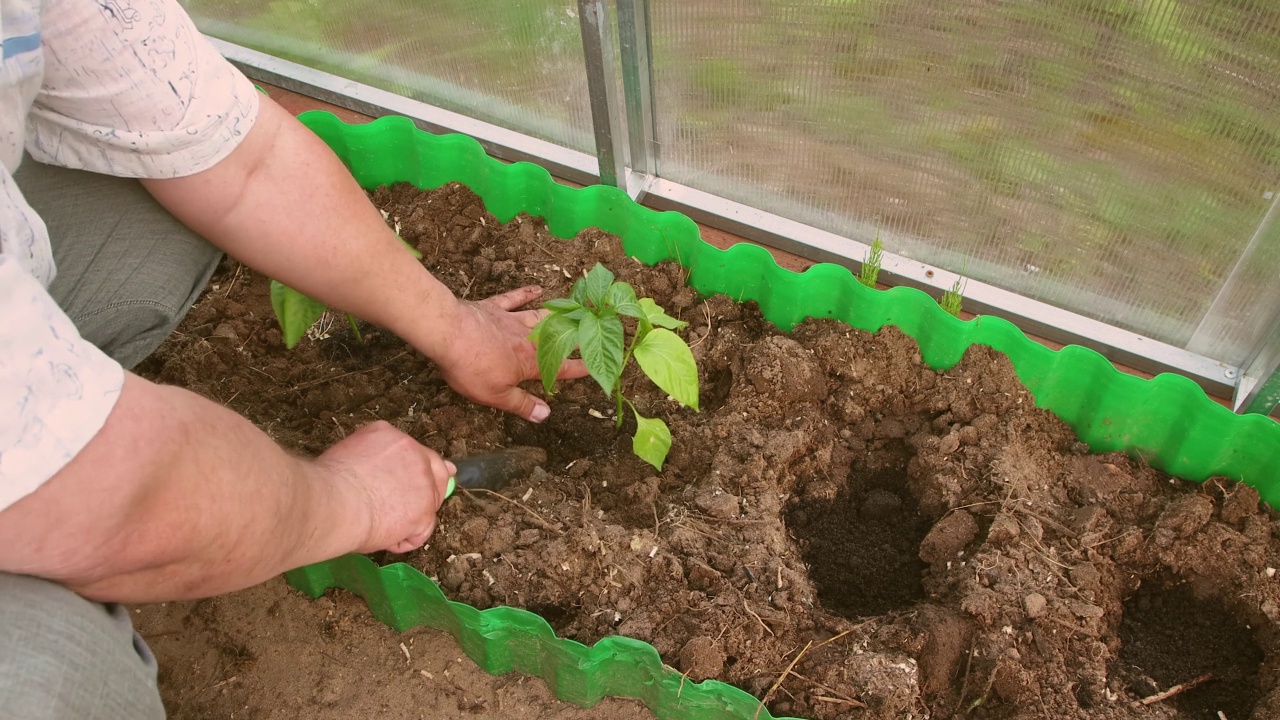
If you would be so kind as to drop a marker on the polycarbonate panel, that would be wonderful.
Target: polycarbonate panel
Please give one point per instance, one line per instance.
(1247, 309)
(514, 63)
(1113, 157)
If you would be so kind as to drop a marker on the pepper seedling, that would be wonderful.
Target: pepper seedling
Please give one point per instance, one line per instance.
(296, 312)
(590, 320)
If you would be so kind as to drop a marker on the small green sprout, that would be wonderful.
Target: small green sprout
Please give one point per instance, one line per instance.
(296, 312)
(953, 298)
(590, 319)
(870, 270)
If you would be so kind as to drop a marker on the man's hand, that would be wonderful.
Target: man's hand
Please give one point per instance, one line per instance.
(489, 353)
(404, 483)
(178, 497)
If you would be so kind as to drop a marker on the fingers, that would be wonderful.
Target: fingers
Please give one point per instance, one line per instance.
(439, 471)
(572, 369)
(516, 298)
(532, 317)
(524, 404)
(415, 542)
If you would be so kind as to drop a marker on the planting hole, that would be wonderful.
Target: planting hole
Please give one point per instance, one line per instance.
(862, 547)
(1169, 637)
(718, 384)
(557, 616)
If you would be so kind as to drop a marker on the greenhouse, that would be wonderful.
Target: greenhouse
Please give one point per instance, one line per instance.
(878, 359)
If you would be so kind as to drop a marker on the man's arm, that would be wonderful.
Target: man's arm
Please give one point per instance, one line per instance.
(177, 497)
(284, 204)
(144, 95)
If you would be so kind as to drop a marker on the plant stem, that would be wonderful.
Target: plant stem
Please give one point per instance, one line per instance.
(641, 331)
(352, 319)
(629, 404)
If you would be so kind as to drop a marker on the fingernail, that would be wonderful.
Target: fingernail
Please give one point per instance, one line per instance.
(540, 413)
(453, 469)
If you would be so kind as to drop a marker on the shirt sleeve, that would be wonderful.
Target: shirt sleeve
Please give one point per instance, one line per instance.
(132, 89)
(56, 389)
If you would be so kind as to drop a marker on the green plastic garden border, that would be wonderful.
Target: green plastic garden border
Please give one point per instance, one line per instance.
(1168, 420)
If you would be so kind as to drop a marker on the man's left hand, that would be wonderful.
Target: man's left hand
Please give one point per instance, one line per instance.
(489, 353)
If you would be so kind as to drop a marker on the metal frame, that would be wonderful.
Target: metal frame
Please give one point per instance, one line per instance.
(606, 113)
(1259, 388)
(566, 163)
(637, 89)
(1033, 317)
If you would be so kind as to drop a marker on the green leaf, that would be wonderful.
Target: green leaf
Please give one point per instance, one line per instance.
(622, 298)
(561, 304)
(668, 362)
(295, 312)
(652, 441)
(598, 282)
(555, 336)
(654, 313)
(600, 340)
(579, 292)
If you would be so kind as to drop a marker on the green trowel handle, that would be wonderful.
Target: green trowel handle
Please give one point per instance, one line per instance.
(469, 475)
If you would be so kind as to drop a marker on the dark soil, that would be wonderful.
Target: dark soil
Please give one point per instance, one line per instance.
(862, 547)
(931, 543)
(1169, 636)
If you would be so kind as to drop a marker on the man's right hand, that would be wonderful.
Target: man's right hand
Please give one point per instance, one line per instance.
(402, 482)
(177, 497)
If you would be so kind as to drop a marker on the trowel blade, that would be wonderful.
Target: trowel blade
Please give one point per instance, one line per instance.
(496, 470)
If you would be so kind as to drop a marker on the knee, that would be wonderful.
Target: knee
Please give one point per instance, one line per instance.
(131, 329)
(143, 313)
(63, 656)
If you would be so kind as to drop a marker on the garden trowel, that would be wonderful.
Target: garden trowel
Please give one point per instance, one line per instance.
(495, 470)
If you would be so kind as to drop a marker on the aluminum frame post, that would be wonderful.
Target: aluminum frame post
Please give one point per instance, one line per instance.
(635, 43)
(606, 111)
(1259, 388)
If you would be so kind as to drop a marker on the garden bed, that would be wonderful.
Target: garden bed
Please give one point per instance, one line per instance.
(840, 528)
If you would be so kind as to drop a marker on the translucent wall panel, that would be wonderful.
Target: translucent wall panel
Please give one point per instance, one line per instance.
(1113, 157)
(514, 63)
(1248, 305)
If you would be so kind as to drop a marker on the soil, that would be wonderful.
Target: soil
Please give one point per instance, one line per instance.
(910, 543)
(269, 652)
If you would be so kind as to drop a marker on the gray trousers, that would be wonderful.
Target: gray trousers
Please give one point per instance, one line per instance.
(127, 273)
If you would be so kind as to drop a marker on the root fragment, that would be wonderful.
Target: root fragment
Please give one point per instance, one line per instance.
(781, 677)
(1175, 690)
(753, 614)
(546, 525)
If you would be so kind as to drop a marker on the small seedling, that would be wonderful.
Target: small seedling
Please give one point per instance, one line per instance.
(296, 312)
(870, 270)
(590, 319)
(953, 298)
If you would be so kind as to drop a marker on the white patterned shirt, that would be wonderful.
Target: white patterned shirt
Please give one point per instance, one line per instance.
(120, 87)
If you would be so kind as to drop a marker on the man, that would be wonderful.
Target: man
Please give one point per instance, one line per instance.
(113, 489)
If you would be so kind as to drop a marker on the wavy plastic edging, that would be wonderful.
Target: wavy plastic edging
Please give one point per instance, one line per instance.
(1168, 420)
